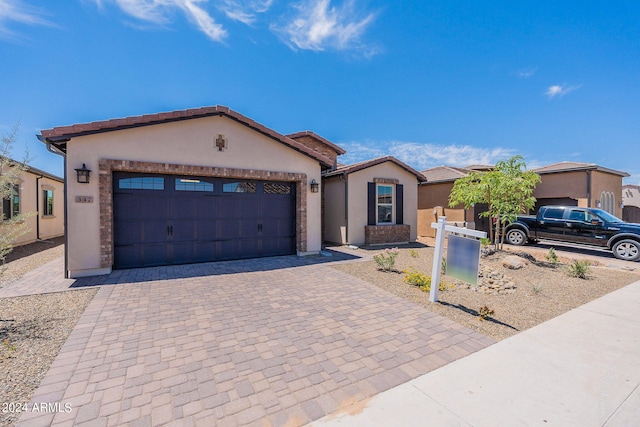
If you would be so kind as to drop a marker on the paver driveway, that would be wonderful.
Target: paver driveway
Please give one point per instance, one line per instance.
(268, 342)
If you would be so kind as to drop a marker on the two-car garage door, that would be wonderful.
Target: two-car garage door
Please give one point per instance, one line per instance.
(169, 219)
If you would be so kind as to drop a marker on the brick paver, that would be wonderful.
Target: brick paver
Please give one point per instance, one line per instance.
(275, 341)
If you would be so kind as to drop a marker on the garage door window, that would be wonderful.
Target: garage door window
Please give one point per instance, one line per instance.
(189, 184)
(142, 183)
(276, 188)
(239, 187)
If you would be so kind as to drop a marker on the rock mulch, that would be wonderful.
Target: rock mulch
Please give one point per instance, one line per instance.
(33, 328)
(520, 298)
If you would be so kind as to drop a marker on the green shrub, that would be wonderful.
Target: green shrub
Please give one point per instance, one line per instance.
(552, 257)
(580, 269)
(415, 278)
(387, 260)
(444, 265)
(485, 312)
(485, 241)
(414, 254)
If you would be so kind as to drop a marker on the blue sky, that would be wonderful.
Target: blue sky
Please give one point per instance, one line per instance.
(433, 83)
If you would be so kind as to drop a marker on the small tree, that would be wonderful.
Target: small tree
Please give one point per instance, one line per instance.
(11, 226)
(507, 190)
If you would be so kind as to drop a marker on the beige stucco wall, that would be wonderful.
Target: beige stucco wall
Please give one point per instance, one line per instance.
(335, 221)
(188, 142)
(50, 226)
(574, 185)
(358, 198)
(559, 185)
(601, 181)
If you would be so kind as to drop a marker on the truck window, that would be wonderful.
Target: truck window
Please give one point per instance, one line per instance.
(576, 215)
(553, 213)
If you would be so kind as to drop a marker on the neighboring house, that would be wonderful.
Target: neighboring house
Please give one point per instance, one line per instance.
(564, 183)
(41, 194)
(186, 186)
(433, 200)
(580, 184)
(371, 202)
(631, 201)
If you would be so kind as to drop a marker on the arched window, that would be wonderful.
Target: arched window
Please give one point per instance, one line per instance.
(608, 202)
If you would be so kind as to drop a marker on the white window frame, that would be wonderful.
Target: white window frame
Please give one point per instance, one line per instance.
(391, 205)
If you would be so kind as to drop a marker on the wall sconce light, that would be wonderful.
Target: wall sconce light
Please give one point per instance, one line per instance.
(621, 204)
(598, 204)
(314, 186)
(83, 174)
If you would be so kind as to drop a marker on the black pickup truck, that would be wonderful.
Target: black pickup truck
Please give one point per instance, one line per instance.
(571, 224)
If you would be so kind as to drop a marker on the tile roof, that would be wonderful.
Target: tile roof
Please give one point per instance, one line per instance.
(59, 136)
(347, 169)
(444, 174)
(576, 166)
(318, 138)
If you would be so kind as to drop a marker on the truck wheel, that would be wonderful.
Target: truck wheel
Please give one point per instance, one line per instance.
(628, 250)
(516, 237)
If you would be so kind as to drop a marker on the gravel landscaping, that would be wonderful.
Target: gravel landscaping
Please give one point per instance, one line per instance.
(32, 328)
(527, 296)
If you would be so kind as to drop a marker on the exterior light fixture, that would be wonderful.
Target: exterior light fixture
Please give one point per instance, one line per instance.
(621, 204)
(83, 174)
(598, 204)
(314, 186)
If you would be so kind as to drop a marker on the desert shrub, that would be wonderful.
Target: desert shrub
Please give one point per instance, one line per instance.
(415, 278)
(444, 265)
(580, 269)
(552, 257)
(387, 260)
(485, 312)
(414, 254)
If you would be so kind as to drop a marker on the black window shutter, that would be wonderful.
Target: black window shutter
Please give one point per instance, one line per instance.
(371, 203)
(399, 204)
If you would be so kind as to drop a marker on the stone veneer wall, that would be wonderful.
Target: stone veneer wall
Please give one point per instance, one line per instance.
(381, 234)
(108, 166)
(318, 147)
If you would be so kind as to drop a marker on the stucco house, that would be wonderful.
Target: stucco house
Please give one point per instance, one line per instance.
(41, 194)
(580, 184)
(186, 186)
(563, 183)
(631, 202)
(371, 202)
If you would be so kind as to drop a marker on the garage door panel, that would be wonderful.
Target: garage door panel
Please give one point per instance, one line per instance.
(205, 251)
(183, 230)
(154, 254)
(228, 228)
(154, 207)
(126, 207)
(182, 252)
(128, 232)
(206, 229)
(154, 231)
(127, 256)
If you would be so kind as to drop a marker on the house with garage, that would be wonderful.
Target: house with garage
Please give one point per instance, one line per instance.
(39, 196)
(194, 185)
(371, 202)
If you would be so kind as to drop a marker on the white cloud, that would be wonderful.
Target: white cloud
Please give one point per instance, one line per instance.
(422, 156)
(318, 26)
(526, 73)
(12, 11)
(560, 90)
(245, 12)
(159, 12)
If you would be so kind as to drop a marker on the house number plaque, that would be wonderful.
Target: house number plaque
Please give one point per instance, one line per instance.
(84, 199)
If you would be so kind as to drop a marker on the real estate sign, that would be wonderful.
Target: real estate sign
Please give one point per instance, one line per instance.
(463, 258)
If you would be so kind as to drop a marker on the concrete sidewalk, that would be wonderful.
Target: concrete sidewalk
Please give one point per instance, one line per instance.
(579, 369)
